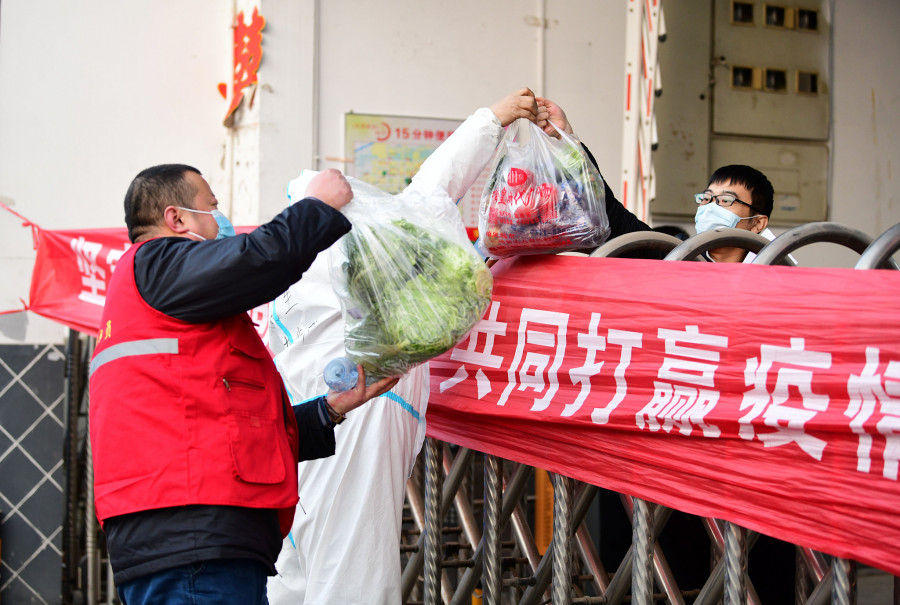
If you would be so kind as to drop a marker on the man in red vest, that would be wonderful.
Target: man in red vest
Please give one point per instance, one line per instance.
(194, 442)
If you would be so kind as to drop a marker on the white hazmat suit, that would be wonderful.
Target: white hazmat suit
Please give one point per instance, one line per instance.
(344, 544)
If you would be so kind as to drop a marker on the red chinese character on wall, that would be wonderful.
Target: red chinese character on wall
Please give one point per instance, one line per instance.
(247, 55)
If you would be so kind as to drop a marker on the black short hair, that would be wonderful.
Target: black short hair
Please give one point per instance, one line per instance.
(673, 230)
(151, 191)
(762, 194)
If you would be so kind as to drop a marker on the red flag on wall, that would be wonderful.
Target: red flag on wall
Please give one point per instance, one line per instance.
(72, 270)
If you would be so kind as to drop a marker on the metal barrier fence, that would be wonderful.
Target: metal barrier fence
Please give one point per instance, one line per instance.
(499, 561)
(495, 559)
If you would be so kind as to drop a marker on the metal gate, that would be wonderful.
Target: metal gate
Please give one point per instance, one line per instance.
(452, 558)
(469, 534)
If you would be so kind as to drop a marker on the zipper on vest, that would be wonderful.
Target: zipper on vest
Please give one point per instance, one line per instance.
(241, 384)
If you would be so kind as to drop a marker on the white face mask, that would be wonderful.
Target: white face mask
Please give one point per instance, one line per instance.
(712, 216)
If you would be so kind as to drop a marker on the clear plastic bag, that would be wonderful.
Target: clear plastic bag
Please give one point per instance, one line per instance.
(411, 285)
(543, 196)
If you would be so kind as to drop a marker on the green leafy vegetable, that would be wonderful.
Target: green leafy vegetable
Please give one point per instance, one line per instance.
(411, 295)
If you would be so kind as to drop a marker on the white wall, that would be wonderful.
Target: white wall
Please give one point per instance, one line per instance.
(444, 60)
(94, 91)
(865, 191)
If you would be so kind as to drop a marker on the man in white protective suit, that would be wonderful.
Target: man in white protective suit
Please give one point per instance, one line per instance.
(344, 543)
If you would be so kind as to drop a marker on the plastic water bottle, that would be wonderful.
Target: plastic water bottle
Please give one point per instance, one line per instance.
(341, 374)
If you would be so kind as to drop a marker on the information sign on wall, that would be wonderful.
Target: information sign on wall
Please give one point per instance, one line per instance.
(386, 151)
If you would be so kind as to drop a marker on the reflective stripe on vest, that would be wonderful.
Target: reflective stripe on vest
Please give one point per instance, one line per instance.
(136, 347)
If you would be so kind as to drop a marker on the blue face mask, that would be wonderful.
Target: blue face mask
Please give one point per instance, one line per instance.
(712, 216)
(226, 229)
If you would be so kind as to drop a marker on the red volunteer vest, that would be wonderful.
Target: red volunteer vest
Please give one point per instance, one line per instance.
(184, 413)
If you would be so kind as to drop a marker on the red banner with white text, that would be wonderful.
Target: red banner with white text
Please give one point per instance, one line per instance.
(72, 269)
(71, 272)
(767, 396)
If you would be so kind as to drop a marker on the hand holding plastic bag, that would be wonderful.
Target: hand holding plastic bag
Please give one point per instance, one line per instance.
(411, 285)
(544, 196)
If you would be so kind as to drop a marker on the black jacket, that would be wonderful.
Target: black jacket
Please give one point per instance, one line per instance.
(621, 220)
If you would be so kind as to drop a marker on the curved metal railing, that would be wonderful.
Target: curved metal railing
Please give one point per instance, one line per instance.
(812, 233)
(639, 241)
(878, 254)
(700, 244)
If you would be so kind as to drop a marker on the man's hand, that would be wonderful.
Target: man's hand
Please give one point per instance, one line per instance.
(520, 104)
(554, 113)
(331, 187)
(344, 401)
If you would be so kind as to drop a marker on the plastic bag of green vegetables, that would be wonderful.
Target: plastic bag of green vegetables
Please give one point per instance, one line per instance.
(543, 196)
(411, 284)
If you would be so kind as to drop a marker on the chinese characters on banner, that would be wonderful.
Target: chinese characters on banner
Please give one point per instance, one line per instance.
(247, 55)
(71, 272)
(769, 396)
